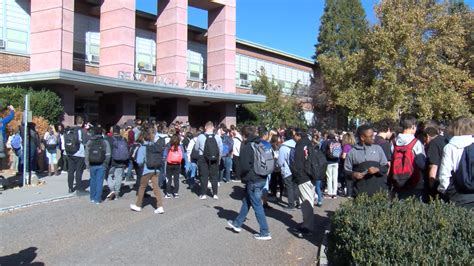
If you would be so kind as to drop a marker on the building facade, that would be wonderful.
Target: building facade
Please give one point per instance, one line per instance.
(111, 63)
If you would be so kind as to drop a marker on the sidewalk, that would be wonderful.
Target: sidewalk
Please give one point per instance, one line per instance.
(53, 188)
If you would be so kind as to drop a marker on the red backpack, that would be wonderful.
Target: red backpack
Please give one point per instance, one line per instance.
(403, 169)
(174, 155)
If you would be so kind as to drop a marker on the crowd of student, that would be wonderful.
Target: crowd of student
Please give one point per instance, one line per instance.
(423, 161)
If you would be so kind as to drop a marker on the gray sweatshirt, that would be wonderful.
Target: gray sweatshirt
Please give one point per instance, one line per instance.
(108, 151)
(361, 154)
(284, 157)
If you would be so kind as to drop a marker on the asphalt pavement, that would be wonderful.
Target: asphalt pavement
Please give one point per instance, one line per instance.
(191, 231)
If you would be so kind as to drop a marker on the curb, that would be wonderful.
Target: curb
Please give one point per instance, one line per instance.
(323, 259)
(26, 205)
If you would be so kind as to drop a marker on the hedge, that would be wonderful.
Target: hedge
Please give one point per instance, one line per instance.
(44, 103)
(377, 231)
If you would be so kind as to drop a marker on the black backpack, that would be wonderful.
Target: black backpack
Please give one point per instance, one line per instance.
(464, 176)
(71, 141)
(315, 163)
(186, 141)
(154, 154)
(211, 149)
(96, 151)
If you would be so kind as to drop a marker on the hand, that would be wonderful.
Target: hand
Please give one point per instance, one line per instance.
(11, 107)
(373, 170)
(357, 175)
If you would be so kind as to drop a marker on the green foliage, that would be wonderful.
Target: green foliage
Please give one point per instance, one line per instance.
(278, 108)
(44, 103)
(343, 26)
(414, 61)
(377, 231)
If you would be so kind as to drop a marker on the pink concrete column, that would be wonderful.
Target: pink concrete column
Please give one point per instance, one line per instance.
(117, 37)
(68, 99)
(172, 40)
(51, 39)
(221, 47)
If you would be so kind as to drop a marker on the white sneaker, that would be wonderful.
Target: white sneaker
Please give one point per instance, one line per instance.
(262, 237)
(235, 228)
(159, 210)
(203, 197)
(215, 197)
(135, 208)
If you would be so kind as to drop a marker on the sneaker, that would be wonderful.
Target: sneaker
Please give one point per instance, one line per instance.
(215, 197)
(111, 196)
(203, 197)
(135, 208)
(159, 210)
(235, 228)
(319, 204)
(167, 196)
(262, 237)
(334, 197)
(97, 203)
(176, 195)
(235, 181)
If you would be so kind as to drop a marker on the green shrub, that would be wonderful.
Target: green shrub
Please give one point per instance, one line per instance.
(377, 231)
(43, 103)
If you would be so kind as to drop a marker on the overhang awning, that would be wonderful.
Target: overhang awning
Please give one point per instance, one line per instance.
(87, 84)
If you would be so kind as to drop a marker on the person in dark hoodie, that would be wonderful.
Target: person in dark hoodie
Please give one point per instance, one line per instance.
(366, 164)
(118, 163)
(304, 181)
(254, 185)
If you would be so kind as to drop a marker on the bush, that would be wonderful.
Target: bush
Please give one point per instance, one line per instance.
(377, 231)
(43, 103)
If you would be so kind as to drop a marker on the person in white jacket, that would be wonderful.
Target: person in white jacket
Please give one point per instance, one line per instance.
(462, 130)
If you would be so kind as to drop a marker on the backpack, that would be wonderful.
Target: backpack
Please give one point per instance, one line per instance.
(96, 151)
(154, 154)
(16, 142)
(263, 161)
(227, 145)
(403, 172)
(174, 156)
(51, 142)
(72, 143)
(194, 154)
(211, 150)
(186, 141)
(120, 149)
(464, 177)
(315, 163)
(334, 150)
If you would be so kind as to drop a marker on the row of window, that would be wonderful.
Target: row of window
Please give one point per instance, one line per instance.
(15, 25)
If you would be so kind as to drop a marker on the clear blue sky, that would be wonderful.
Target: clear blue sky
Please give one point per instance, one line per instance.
(288, 25)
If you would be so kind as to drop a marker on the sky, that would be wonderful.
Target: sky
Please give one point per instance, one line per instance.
(291, 26)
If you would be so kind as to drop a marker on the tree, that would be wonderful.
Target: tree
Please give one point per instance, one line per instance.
(44, 103)
(343, 27)
(411, 62)
(277, 109)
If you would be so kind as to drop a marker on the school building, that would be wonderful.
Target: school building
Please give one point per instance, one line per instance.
(112, 63)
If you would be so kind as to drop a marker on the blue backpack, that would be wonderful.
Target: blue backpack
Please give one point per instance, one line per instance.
(464, 176)
(227, 145)
(16, 142)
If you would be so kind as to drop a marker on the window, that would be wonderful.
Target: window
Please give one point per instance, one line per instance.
(197, 54)
(86, 38)
(15, 25)
(145, 51)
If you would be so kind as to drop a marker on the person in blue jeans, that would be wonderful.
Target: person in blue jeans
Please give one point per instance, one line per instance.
(227, 149)
(254, 185)
(97, 158)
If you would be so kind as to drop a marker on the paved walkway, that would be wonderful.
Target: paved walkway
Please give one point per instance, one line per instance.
(191, 231)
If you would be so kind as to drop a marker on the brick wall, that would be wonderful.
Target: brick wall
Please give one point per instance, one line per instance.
(10, 63)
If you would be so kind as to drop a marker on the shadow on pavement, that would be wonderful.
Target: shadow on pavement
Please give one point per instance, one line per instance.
(23, 257)
(237, 193)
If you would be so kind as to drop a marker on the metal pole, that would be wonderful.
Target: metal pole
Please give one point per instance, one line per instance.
(26, 151)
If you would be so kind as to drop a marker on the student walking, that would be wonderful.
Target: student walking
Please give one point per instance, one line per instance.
(118, 164)
(174, 155)
(97, 159)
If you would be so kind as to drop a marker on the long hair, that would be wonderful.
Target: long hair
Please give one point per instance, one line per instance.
(348, 138)
(462, 126)
(174, 142)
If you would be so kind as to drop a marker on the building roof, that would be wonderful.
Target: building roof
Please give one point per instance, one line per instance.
(87, 84)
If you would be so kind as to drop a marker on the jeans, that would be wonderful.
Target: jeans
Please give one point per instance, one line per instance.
(332, 174)
(173, 175)
(129, 169)
(317, 186)
(292, 190)
(191, 174)
(253, 197)
(225, 169)
(208, 170)
(96, 182)
(114, 180)
(75, 166)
